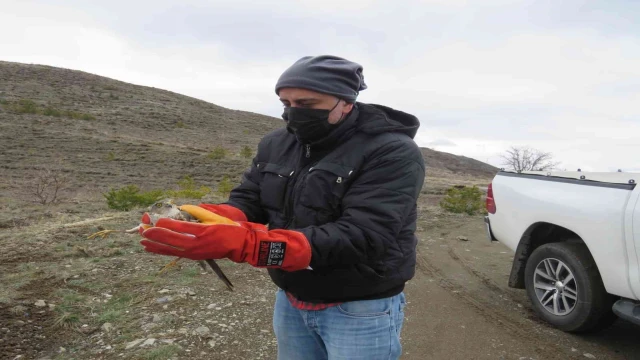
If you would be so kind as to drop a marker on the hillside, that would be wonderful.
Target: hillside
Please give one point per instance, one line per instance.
(106, 133)
(457, 164)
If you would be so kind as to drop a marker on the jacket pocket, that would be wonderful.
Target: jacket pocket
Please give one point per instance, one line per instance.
(273, 185)
(325, 185)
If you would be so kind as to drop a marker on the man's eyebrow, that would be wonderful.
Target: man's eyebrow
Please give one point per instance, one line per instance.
(307, 100)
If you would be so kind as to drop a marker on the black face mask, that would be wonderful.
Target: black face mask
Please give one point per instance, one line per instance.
(309, 125)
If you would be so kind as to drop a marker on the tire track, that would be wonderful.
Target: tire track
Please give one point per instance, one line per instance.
(483, 279)
(488, 311)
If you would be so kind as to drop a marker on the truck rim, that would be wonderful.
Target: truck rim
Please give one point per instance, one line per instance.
(555, 287)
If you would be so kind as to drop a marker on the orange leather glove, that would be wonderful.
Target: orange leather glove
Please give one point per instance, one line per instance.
(240, 242)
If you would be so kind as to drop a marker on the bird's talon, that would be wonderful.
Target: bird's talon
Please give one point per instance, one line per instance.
(169, 265)
(101, 234)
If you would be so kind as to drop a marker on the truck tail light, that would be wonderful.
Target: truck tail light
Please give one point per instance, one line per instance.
(491, 203)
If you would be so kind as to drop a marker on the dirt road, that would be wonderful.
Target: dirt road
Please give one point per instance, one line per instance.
(105, 301)
(461, 308)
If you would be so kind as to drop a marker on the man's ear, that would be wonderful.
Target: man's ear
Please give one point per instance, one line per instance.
(347, 108)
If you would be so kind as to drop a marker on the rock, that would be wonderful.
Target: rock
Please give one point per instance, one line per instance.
(590, 356)
(107, 327)
(574, 350)
(148, 326)
(211, 306)
(183, 331)
(133, 343)
(108, 347)
(168, 341)
(156, 318)
(212, 343)
(20, 322)
(62, 349)
(191, 293)
(19, 309)
(52, 306)
(40, 303)
(202, 331)
(163, 300)
(164, 291)
(148, 342)
(462, 238)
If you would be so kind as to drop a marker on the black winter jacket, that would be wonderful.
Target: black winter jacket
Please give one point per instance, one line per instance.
(352, 194)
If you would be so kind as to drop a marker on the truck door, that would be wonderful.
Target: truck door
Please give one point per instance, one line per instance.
(634, 270)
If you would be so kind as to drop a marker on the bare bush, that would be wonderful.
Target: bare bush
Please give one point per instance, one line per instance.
(527, 159)
(47, 186)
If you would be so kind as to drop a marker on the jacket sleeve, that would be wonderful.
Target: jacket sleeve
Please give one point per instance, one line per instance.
(374, 209)
(246, 196)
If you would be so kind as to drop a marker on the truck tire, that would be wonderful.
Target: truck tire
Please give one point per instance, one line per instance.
(565, 288)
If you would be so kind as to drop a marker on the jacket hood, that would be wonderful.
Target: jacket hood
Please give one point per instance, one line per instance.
(376, 119)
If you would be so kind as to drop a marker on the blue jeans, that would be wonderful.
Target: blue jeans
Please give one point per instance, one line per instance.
(365, 329)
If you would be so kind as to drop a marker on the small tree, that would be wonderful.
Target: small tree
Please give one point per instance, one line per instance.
(527, 159)
(463, 199)
(130, 196)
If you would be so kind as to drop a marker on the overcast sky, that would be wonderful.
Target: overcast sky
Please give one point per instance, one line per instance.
(481, 75)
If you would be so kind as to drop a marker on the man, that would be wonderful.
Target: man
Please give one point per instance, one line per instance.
(338, 188)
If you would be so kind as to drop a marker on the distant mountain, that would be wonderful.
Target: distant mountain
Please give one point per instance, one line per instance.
(457, 164)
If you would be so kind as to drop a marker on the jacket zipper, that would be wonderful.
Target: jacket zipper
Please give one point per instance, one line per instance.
(290, 200)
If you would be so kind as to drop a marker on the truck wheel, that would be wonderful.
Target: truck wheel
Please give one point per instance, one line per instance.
(565, 288)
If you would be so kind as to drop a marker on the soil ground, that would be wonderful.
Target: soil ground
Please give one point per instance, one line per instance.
(459, 306)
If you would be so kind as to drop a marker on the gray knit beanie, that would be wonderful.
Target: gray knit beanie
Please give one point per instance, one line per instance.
(325, 74)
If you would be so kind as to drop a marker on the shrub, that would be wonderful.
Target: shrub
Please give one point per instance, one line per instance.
(25, 107)
(246, 152)
(129, 197)
(218, 153)
(224, 187)
(52, 112)
(76, 115)
(47, 186)
(463, 199)
(188, 189)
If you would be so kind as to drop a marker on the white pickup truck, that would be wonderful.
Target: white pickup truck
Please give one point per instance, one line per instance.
(576, 238)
